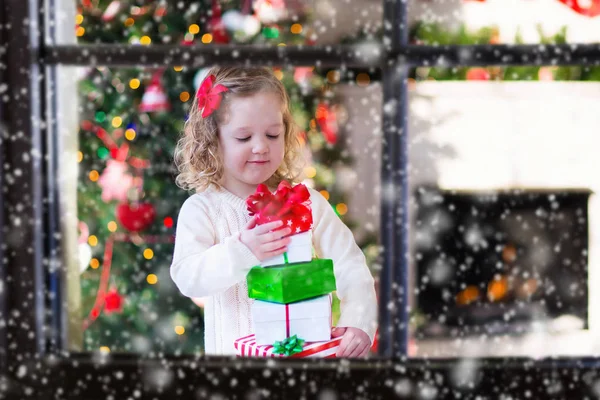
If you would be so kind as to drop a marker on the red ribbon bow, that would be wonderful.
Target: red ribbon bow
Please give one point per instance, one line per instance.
(289, 204)
(209, 96)
(589, 8)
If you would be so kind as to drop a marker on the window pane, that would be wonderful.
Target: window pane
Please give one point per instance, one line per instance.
(129, 122)
(463, 22)
(504, 215)
(205, 22)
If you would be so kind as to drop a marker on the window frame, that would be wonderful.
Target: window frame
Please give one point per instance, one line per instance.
(32, 359)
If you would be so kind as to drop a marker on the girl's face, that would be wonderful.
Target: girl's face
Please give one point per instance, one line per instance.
(251, 142)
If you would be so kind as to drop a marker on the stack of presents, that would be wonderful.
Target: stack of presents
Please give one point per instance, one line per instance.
(292, 292)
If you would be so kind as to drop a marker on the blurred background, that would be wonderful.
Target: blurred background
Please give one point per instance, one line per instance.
(504, 217)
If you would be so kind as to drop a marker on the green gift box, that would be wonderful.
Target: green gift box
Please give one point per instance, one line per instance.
(291, 282)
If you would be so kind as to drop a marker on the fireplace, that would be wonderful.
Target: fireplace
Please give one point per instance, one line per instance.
(496, 262)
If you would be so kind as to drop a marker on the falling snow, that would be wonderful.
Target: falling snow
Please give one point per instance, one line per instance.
(482, 201)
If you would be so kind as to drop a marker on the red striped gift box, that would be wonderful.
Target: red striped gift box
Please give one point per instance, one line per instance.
(246, 347)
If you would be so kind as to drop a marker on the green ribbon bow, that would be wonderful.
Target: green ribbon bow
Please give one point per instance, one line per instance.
(288, 346)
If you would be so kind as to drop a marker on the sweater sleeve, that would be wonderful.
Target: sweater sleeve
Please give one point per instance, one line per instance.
(354, 282)
(201, 267)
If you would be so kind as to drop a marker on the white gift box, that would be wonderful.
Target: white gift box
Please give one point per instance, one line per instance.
(308, 319)
(299, 250)
(246, 347)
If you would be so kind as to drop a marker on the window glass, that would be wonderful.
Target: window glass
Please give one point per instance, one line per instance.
(129, 122)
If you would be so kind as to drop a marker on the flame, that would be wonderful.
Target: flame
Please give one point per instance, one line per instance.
(467, 296)
(497, 288)
(528, 288)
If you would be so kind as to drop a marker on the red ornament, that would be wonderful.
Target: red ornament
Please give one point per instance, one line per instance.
(155, 99)
(216, 26)
(302, 74)
(289, 204)
(478, 74)
(160, 11)
(113, 302)
(111, 11)
(135, 217)
(327, 122)
(588, 8)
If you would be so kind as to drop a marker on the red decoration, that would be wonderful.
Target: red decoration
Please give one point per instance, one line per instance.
(155, 99)
(113, 302)
(302, 74)
(111, 11)
(115, 181)
(115, 168)
(588, 8)
(100, 301)
(135, 217)
(216, 26)
(160, 11)
(119, 153)
(140, 11)
(478, 74)
(269, 11)
(209, 96)
(168, 222)
(327, 122)
(289, 204)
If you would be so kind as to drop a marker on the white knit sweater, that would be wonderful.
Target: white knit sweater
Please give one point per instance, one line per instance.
(210, 261)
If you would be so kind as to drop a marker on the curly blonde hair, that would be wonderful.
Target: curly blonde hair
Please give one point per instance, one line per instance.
(197, 154)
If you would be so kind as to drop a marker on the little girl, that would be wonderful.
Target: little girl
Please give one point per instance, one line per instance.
(239, 134)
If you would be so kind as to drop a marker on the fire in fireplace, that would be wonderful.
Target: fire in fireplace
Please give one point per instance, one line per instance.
(494, 262)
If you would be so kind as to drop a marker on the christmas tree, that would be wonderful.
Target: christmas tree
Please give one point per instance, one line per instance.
(130, 122)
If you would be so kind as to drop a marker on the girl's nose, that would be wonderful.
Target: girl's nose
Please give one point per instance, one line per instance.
(260, 146)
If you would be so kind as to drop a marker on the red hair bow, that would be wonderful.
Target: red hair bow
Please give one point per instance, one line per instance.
(209, 96)
(289, 204)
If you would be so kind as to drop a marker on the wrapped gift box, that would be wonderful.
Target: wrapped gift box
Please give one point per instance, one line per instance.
(298, 250)
(308, 319)
(290, 204)
(246, 347)
(292, 282)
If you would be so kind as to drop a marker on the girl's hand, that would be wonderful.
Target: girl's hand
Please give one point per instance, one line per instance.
(263, 240)
(355, 342)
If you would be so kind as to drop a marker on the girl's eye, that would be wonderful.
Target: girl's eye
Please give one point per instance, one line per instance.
(272, 137)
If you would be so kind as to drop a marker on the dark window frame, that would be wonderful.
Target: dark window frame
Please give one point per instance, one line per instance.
(32, 360)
